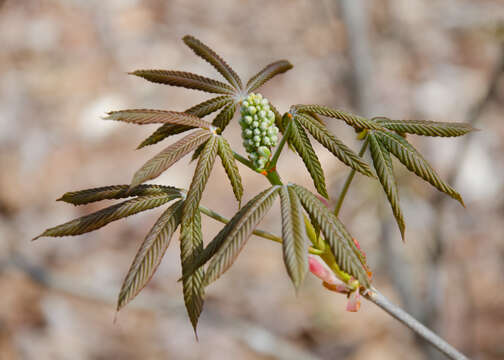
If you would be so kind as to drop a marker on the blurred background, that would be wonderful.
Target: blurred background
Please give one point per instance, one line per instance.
(63, 64)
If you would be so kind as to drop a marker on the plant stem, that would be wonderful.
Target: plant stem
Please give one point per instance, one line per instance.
(243, 160)
(261, 233)
(276, 155)
(348, 181)
(378, 299)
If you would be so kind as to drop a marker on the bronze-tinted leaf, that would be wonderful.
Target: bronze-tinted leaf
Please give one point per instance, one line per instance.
(169, 156)
(271, 70)
(300, 141)
(148, 116)
(235, 234)
(199, 110)
(383, 165)
(102, 217)
(338, 238)
(358, 122)
(116, 192)
(191, 245)
(186, 80)
(426, 128)
(412, 159)
(224, 117)
(335, 146)
(150, 254)
(200, 178)
(215, 60)
(295, 246)
(229, 164)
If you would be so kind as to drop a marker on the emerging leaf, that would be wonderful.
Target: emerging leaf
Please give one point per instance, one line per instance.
(229, 164)
(295, 246)
(102, 217)
(270, 71)
(412, 159)
(231, 239)
(215, 60)
(147, 116)
(224, 117)
(191, 245)
(300, 141)
(185, 79)
(162, 133)
(425, 128)
(200, 178)
(341, 243)
(383, 165)
(335, 146)
(358, 122)
(116, 192)
(150, 254)
(169, 156)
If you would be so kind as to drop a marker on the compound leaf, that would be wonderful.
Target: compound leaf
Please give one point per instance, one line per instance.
(185, 79)
(149, 116)
(271, 70)
(235, 234)
(169, 156)
(335, 146)
(294, 245)
(383, 165)
(224, 117)
(215, 60)
(412, 159)
(150, 254)
(102, 217)
(229, 164)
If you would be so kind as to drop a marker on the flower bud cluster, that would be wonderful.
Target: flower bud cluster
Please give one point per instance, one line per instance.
(259, 132)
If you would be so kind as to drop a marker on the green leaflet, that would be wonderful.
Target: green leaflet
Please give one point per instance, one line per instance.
(383, 165)
(185, 79)
(335, 146)
(116, 192)
(169, 156)
(341, 243)
(412, 159)
(191, 245)
(224, 117)
(295, 246)
(425, 128)
(150, 254)
(200, 178)
(102, 217)
(215, 60)
(228, 162)
(200, 110)
(358, 122)
(235, 234)
(148, 116)
(268, 72)
(301, 143)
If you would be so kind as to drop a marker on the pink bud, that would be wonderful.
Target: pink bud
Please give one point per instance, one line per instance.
(354, 303)
(323, 200)
(319, 270)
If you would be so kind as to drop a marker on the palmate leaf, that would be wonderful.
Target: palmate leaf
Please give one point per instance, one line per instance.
(200, 110)
(87, 196)
(229, 163)
(150, 254)
(358, 122)
(383, 165)
(200, 178)
(235, 234)
(343, 248)
(294, 245)
(335, 146)
(412, 159)
(224, 117)
(425, 128)
(215, 60)
(148, 116)
(191, 245)
(102, 217)
(299, 140)
(185, 79)
(169, 156)
(270, 71)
